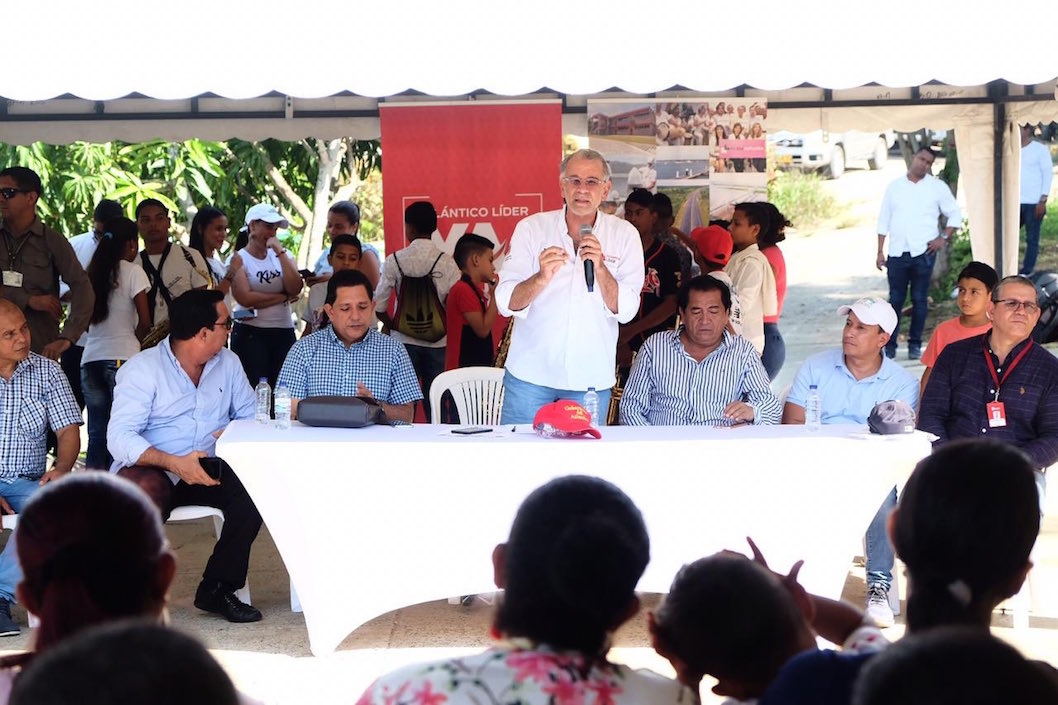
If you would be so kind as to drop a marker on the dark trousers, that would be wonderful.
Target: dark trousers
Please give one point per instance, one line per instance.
(231, 556)
(428, 363)
(1032, 236)
(71, 366)
(261, 351)
(774, 354)
(98, 381)
(904, 271)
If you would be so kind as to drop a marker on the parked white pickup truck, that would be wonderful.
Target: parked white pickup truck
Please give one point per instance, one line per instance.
(829, 152)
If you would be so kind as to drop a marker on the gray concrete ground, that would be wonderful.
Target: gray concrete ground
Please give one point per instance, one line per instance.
(270, 660)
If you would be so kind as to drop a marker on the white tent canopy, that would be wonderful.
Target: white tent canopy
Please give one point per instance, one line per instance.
(137, 70)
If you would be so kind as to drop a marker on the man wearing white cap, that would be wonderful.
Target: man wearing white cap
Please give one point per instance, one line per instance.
(171, 268)
(850, 382)
(264, 280)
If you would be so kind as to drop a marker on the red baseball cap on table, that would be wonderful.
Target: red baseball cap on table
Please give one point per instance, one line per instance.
(566, 417)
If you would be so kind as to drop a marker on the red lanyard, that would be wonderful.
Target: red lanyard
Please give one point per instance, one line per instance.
(1010, 367)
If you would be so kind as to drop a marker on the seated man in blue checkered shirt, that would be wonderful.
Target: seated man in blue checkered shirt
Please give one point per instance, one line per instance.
(35, 396)
(349, 357)
(701, 373)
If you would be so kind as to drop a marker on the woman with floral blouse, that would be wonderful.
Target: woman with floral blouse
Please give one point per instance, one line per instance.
(569, 569)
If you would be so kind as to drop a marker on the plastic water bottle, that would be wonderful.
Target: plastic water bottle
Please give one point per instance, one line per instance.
(591, 405)
(263, 408)
(813, 409)
(282, 407)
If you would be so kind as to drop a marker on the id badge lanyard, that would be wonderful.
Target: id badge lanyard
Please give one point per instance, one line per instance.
(995, 411)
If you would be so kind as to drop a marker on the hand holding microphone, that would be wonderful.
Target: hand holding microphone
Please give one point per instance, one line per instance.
(589, 266)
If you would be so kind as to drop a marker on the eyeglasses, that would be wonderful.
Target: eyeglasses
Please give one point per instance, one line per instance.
(1012, 305)
(9, 193)
(227, 323)
(576, 182)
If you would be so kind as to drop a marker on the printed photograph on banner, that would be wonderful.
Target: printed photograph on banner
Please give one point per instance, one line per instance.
(727, 189)
(682, 166)
(623, 132)
(690, 206)
(684, 124)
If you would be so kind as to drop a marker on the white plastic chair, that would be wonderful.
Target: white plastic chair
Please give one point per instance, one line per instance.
(191, 512)
(477, 391)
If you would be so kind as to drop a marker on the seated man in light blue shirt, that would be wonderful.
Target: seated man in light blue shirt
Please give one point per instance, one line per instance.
(350, 357)
(170, 404)
(701, 373)
(850, 382)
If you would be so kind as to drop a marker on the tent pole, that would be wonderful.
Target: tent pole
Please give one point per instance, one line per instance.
(999, 121)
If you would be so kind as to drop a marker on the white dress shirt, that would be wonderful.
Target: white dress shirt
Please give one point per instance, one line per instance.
(909, 213)
(1036, 172)
(84, 246)
(416, 260)
(157, 405)
(567, 337)
(753, 277)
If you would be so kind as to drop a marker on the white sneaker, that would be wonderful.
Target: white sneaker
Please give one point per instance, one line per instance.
(878, 608)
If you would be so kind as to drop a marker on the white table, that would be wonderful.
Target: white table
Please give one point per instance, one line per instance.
(370, 520)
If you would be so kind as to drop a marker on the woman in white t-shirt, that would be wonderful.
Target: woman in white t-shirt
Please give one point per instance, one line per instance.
(264, 279)
(209, 230)
(120, 319)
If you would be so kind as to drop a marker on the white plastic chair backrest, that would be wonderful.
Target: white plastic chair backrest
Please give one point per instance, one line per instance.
(477, 391)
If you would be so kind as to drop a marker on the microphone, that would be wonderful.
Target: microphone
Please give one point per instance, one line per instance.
(589, 266)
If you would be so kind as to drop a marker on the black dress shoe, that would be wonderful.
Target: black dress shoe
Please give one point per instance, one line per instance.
(220, 600)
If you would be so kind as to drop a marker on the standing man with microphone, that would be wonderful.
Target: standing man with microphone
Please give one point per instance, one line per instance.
(571, 276)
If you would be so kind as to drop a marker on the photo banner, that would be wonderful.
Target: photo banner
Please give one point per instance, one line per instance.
(484, 167)
(705, 155)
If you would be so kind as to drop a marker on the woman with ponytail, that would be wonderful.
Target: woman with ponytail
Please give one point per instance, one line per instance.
(120, 319)
(569, 569)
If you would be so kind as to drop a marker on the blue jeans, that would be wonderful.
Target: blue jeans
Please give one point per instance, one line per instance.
(774, 354)
(1032, 237)
(16, 494)
(879, 550)
(97, 381)
(914, 271)
(427, 363)
(521, 399)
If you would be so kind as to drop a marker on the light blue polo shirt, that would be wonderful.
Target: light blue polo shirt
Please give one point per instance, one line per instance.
(845, 398)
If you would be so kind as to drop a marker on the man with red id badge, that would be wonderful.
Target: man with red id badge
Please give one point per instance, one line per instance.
(1000, 384)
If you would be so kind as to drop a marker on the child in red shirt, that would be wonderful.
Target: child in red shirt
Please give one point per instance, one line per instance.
(471, 314)
(974, 285)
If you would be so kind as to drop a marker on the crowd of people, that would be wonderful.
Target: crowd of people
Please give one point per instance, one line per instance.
(683, 326)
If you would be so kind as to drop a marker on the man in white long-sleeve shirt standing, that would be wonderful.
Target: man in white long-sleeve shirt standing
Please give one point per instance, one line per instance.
(910, 211)
(1036, 173)
(565, 336)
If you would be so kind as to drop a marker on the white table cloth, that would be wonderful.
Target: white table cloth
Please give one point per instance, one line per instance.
(370, 520)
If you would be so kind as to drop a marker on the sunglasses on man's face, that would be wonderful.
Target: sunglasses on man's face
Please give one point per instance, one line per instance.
(9, 193)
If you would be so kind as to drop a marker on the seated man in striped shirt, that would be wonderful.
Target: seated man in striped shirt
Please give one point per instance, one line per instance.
(700, 373)
(350, 357)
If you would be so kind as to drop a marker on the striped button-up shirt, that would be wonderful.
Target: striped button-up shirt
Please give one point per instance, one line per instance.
(321, 365)
(36, 398)
(668, 387)
(960, 387)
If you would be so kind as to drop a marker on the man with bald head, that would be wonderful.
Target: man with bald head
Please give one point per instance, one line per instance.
(35, 397)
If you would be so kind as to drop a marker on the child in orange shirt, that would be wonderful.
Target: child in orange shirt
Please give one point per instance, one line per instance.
(975, 285)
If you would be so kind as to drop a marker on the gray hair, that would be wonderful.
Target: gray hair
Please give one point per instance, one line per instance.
(1012, 279)
(590, 154)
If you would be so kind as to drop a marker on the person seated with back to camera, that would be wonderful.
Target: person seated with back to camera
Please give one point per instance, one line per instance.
(576, 550)
(700, 373)
(732, 618)
(349, 357)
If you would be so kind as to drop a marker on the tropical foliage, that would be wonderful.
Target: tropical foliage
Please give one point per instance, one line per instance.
(300, 178)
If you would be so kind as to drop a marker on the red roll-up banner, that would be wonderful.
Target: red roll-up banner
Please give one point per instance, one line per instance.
(484, 166)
